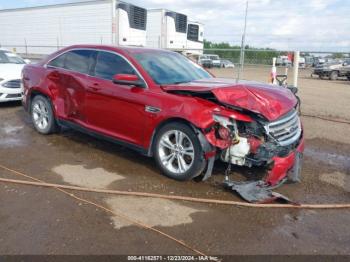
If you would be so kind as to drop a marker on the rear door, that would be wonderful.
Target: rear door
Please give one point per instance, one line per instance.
(69, 75)
(113, 109)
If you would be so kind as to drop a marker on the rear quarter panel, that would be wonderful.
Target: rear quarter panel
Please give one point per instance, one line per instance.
(33, 78)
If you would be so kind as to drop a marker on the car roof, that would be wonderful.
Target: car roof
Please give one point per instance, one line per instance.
(127, 49)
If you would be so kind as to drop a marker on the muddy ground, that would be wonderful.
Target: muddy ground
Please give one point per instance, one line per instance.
(44, 221)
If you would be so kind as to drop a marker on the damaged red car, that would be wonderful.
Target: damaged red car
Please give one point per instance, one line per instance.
(164, 105)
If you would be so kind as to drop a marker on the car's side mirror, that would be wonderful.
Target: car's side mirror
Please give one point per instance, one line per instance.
(345, 64)
(128, 79)
(27, 61)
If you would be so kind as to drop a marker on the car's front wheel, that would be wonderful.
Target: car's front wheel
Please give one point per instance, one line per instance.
(178, 152)
(42, 115)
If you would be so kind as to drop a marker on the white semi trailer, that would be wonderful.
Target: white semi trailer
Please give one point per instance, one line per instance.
(44, 29)
(195, 37)
(166, 29)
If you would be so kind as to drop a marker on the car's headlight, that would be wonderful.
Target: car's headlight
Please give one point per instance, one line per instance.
(5, 84)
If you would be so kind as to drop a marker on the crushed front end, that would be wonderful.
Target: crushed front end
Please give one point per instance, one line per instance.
(275, 145)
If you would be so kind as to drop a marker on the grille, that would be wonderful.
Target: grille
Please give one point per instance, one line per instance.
(13, 84)
(137, 15)
(285, 130)
(181, 23)
(13, 95)
(192, 33)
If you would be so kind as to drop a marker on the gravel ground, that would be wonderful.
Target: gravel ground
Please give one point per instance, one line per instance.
(45, 221)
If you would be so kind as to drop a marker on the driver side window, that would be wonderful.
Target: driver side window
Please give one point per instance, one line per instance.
(109, 64)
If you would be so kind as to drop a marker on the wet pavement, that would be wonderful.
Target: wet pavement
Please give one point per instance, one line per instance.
(44, 221)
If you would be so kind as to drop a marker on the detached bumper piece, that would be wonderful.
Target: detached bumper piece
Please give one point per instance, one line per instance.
(257, 192)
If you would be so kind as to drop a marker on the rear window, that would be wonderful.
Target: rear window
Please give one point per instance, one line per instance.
(76, 60)
(58, 62)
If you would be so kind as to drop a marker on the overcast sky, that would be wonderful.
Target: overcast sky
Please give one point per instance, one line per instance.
(307, 25)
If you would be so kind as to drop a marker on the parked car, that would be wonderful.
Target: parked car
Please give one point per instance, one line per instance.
(227, 64)
(318, 61)
(302, 63)
(162, 104)
(215, 59)
(205, 61)
(283, 61)
(345, 69)
(333, 70)
(11, 66)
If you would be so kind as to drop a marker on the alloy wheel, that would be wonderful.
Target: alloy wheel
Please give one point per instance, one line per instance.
(176, 151)
(40, 115)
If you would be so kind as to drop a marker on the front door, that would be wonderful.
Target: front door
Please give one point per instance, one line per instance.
(112, 109)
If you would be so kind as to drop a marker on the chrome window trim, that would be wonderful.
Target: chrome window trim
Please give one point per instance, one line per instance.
(46, 65)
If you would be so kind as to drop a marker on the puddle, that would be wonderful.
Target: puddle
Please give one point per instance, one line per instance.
(337, 179)
(8, 130)
(151, 211)
(81, 176)
(292, 223)
(9, 142)
(9, 137)
(329, 158)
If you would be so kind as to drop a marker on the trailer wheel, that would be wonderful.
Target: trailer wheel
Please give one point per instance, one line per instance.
(333, 75)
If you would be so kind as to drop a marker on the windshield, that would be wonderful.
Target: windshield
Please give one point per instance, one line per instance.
(10, 58)
(170, 68)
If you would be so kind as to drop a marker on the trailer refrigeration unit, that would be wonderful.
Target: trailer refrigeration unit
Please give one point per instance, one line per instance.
(166, 29)
(44, 29)
(195, 32)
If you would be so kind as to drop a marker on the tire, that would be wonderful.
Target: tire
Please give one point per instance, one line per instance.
(348, 78)
(170, 155)
(42, 115)
(333, 75)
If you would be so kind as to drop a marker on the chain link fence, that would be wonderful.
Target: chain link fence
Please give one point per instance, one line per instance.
(252, 56)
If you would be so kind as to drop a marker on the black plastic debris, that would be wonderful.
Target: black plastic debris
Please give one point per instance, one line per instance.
(256, 192)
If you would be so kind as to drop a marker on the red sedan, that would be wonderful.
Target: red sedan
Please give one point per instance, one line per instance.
(164, 105)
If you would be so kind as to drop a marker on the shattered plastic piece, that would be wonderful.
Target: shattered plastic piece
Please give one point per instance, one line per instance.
(209, 169)
(294, 173)
(256, 192)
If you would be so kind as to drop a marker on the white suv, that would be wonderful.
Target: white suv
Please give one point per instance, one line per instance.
(11, 66)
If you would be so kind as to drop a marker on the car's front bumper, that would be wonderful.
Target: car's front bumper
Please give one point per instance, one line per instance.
(282, 165)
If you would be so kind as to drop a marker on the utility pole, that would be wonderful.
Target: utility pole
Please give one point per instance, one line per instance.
(241, 60)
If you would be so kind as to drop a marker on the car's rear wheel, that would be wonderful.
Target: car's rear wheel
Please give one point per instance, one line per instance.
(333, 75)
(178, 152)
(42, 115)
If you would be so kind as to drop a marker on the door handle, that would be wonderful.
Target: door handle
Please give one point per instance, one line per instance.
(94, 87)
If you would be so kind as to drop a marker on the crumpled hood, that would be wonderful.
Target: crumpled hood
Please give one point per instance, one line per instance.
(11, 71)
(268, 100)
